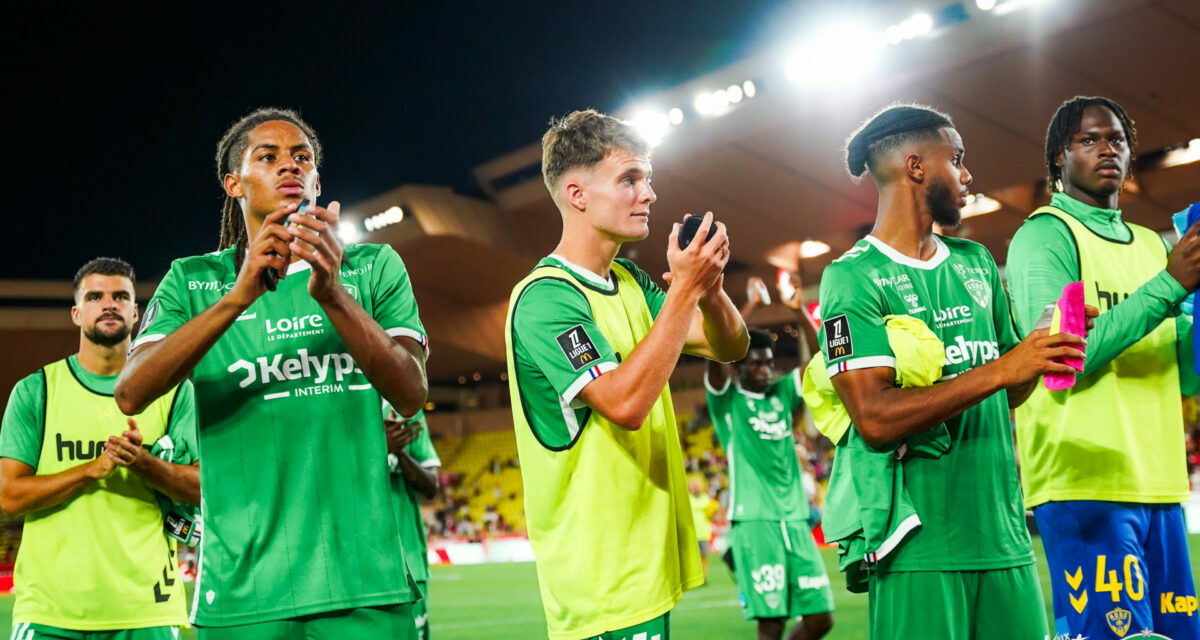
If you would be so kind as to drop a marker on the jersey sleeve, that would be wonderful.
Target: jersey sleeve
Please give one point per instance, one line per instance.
(1002, 318)
(720, 403)
(555, 333)
(24, 421)
(393, 305)
(1041, 261)
(167, 310)
(655, 296)
(182, 425)
(853, 335)
(422, 449)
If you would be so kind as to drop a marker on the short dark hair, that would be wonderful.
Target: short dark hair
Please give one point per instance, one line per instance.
(760, 339)
(896, 125)
(583, 139)
(104, 267)
(1065, 124)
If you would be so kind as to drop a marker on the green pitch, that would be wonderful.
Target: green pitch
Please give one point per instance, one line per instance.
(501, 600)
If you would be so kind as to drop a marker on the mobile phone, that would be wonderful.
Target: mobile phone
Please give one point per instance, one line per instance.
(783, 278)
(270, 277)
(759, 290)
(691, 224)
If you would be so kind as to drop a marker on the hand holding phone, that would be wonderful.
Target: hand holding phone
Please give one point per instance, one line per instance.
(270, 276)
(691, 224)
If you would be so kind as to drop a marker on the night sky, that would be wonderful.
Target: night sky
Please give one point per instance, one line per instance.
(115, 114)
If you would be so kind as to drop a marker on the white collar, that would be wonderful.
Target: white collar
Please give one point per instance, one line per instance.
(293, 267)
(940, 253)
(594, 277)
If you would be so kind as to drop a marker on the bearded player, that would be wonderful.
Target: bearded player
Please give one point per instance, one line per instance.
(971, 560)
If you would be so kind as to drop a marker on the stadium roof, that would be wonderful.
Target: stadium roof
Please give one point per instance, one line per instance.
(771, 167)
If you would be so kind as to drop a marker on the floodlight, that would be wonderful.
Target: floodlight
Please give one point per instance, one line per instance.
(349, 232)
(837, 55)
(652, 125)
(979, 204)
(813, 248)
(675, 115)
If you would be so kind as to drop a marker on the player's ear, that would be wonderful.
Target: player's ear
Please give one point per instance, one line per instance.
(914, 167)
(317, 184)
(572, 190)
(75, 316)
(233, 185)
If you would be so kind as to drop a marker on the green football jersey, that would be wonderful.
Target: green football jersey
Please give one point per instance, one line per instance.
(408, 505)
(969, 500)
(569, 350)
(297, 506)
(756, 433)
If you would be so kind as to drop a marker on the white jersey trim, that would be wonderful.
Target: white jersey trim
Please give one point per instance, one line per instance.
(889, 545)
(799, 380)
(421, 339)
(587, 274)
(717, 392)
(868, 362)
(146, 339)
(940, 253)
(297, 266)
(569, 399)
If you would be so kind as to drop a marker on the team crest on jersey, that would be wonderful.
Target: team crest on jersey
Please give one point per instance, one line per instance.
(1118, 620)
(980, 291)
(353, 291)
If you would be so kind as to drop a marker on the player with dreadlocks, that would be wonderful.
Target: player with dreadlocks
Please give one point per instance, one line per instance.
(300, 539)
(1103, 462)
(962, 566)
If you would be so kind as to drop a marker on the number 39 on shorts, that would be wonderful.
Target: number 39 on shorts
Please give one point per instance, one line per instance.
(1108, 580)
(769, 577)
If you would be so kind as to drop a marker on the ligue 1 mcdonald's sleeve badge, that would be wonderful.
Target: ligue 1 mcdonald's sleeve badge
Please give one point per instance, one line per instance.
(577, 346)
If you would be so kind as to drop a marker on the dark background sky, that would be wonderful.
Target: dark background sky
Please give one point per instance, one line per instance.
(115, 113)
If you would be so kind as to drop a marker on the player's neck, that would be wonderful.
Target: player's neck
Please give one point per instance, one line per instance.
(1100, 201)
(592, 251)
(902, 223)
(100, 360)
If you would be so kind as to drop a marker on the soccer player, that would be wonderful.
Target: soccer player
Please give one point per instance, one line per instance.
(779, 570)
(300, 536)
(414, 465)
(1103, 462)
(591, 343)
(94, 557)
(968, 571)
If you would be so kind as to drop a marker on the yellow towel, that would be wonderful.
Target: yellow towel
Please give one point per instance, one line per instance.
(920, 357)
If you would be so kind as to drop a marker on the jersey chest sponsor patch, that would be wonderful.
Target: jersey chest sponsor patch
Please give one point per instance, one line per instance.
(837, 337)
(577, 346)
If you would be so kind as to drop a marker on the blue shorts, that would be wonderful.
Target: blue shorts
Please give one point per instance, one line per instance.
(1117, 569)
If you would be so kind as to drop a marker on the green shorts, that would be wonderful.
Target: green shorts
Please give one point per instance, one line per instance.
(656, 629)
(421, 612)
(392, 622)
(1001, 604)
(779, 570)
(30, 631)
